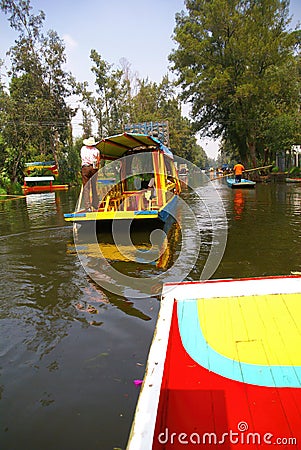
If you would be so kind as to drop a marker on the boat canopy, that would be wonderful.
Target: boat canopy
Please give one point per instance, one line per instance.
(36, 179)
(114, 147)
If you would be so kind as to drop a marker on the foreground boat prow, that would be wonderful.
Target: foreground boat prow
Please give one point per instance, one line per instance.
(225, 359)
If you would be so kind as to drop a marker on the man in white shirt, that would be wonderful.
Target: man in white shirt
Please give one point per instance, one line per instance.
(90, 158)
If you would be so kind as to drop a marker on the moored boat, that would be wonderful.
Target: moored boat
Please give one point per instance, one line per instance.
(132, 161)
(231, 182)
(293, 180)
(224, 367)
(41, 184)
(41, 177)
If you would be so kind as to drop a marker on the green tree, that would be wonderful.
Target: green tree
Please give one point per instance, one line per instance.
(231, 59)
(159, 102)
(37, 118)
(121, 98)
(110, 100)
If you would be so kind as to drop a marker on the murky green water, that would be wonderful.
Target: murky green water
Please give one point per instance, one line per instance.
(69, 350)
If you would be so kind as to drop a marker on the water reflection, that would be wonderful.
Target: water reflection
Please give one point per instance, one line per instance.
(239, 202)
(69, 349)
(130, 251)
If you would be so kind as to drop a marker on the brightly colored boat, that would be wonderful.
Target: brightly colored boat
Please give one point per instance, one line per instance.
(41, 184)
(41, 177)
(293, 180)
(224, 367)
(130, 162)
(231, 182)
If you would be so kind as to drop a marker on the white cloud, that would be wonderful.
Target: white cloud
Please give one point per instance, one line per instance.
(69, 41)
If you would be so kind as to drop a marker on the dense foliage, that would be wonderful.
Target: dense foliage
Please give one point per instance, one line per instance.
(239, 67)
(237, 64)
(36, 120)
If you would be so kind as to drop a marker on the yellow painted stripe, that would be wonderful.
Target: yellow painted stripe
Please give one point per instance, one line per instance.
(254, 329)
(110, 215)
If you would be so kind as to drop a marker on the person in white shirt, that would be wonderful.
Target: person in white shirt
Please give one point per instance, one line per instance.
(90, 157)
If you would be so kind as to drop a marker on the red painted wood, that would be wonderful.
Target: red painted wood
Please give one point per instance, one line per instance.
(195, 400)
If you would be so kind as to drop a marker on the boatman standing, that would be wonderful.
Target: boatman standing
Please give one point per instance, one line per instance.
(238, 170)
(90, 157)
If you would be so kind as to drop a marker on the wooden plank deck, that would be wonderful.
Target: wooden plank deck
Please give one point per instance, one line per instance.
(246, 371)
(232, 371)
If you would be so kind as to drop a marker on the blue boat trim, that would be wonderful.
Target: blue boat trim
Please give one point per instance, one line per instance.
(165, 213)
(68, 215)
(198, 349)
(243, 183)
(150, 212)
(107, 181)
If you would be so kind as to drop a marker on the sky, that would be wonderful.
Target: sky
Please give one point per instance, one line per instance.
(138, 30)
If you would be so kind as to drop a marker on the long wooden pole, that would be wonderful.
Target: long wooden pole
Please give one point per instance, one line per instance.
(248, 170)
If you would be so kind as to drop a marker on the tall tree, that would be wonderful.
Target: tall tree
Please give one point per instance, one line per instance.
(37, 116)
(117, 102)
(111, 97)
(229, 57)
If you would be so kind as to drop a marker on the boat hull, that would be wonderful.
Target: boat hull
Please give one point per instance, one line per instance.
(38, 189)
(223, 360)
(162, 215)
(293, 180)
(243, 184)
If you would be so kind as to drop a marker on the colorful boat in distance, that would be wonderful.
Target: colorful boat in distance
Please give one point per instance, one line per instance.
(41, 184)
(130, 161)
(231, 182)
(293, 180)
(224, 367)
(40, 176)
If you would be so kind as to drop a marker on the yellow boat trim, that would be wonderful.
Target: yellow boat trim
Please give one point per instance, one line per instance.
(110, 215)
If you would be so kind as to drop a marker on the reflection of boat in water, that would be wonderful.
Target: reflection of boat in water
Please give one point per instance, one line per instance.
(140, 251)
(243, 184)
(134, 160)
(239, 203)
(223, 357)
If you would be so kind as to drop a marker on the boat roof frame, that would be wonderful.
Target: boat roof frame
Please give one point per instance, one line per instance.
(117, 146)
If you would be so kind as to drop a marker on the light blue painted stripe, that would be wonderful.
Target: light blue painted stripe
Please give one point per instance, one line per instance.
(169, 209)
(75, 215)
(149, 212)
(196, 346)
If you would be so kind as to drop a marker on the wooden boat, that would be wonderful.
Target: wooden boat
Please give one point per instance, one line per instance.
(41, 184)
(224, 367)
(124, 194)
(293, 180)
(240, 184)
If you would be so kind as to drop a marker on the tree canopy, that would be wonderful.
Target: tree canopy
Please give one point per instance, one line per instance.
(239, 67)
(35, 115)
(36, 119)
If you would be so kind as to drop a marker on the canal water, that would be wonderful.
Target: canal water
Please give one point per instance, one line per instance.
(71, 349)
